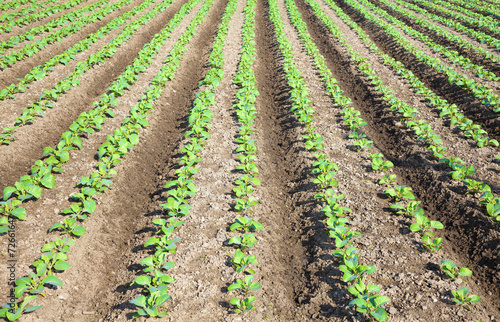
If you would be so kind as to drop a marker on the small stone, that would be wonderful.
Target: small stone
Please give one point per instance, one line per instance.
(88, 312)
(393, 310)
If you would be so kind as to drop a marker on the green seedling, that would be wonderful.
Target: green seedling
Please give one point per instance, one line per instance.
(243, 306)
(460, 172)
(69, 226)
(493, 209)
(363, 144)
(342, 235)
(432, 243)
(345, 254)
(163, 244)
(244, 206)
(245, 285)
(400, 192)
(241, 262)
(423, 224)
(35, 284)
(314, 142)
(24, 190)
(14, 310)
(438, 152)
(371, 305)
(11, 208)
(248, 240)
(176, 207)
(474, 187)
(461, 297)
(158, 279)
(389, 180)
(156, 264)
(326, 180)
(246, 225)
(352, 270)
(410, 210)
(453, 271)
(151, 303)
(380, 165)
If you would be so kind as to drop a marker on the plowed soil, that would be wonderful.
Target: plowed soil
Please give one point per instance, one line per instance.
(300, 278)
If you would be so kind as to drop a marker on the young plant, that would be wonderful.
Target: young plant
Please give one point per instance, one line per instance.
(410, 210)
(399, 193)
(423, 224)
(432, 243)
(363, 144)
(243, 306)
(475, 187)
(389, 180)
(245, 285)
(372, 305)
(367, 301)
(241, 262)
(460, 297)
(246, 225)
(151, 303)
(244, 205)
(345, 254)
(353, 270)
(248, 240)
(378, 164)
(69, 226)
(453, 271)
(342, 235)
(14, 310)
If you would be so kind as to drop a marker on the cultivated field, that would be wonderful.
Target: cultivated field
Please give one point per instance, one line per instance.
(250, 160)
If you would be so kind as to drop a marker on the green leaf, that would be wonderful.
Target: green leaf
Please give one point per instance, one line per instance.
(139, 301)
(61, 265)
(19, 213)
(380, 314)
(8, 191)
(143, 280)
(78, 231)
(52, 280)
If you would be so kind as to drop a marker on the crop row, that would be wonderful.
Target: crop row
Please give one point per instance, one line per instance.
(24, 11)
(463, 43)
(480, 36)
(72, 80)
(450, 111)
(480, 19)
(49, 26)
(154, 282)
(425, 133)
(435, 5)
(14, 4)
(37, 73)
(451, 55)
(110, 153)
(42, 172)
(324, 170)
(7, 27)
(30, 49)
(247, 183)
(422, 224)
(483, 93)
(479, 5)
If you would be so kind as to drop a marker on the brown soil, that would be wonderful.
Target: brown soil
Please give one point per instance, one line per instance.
(300, 278)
